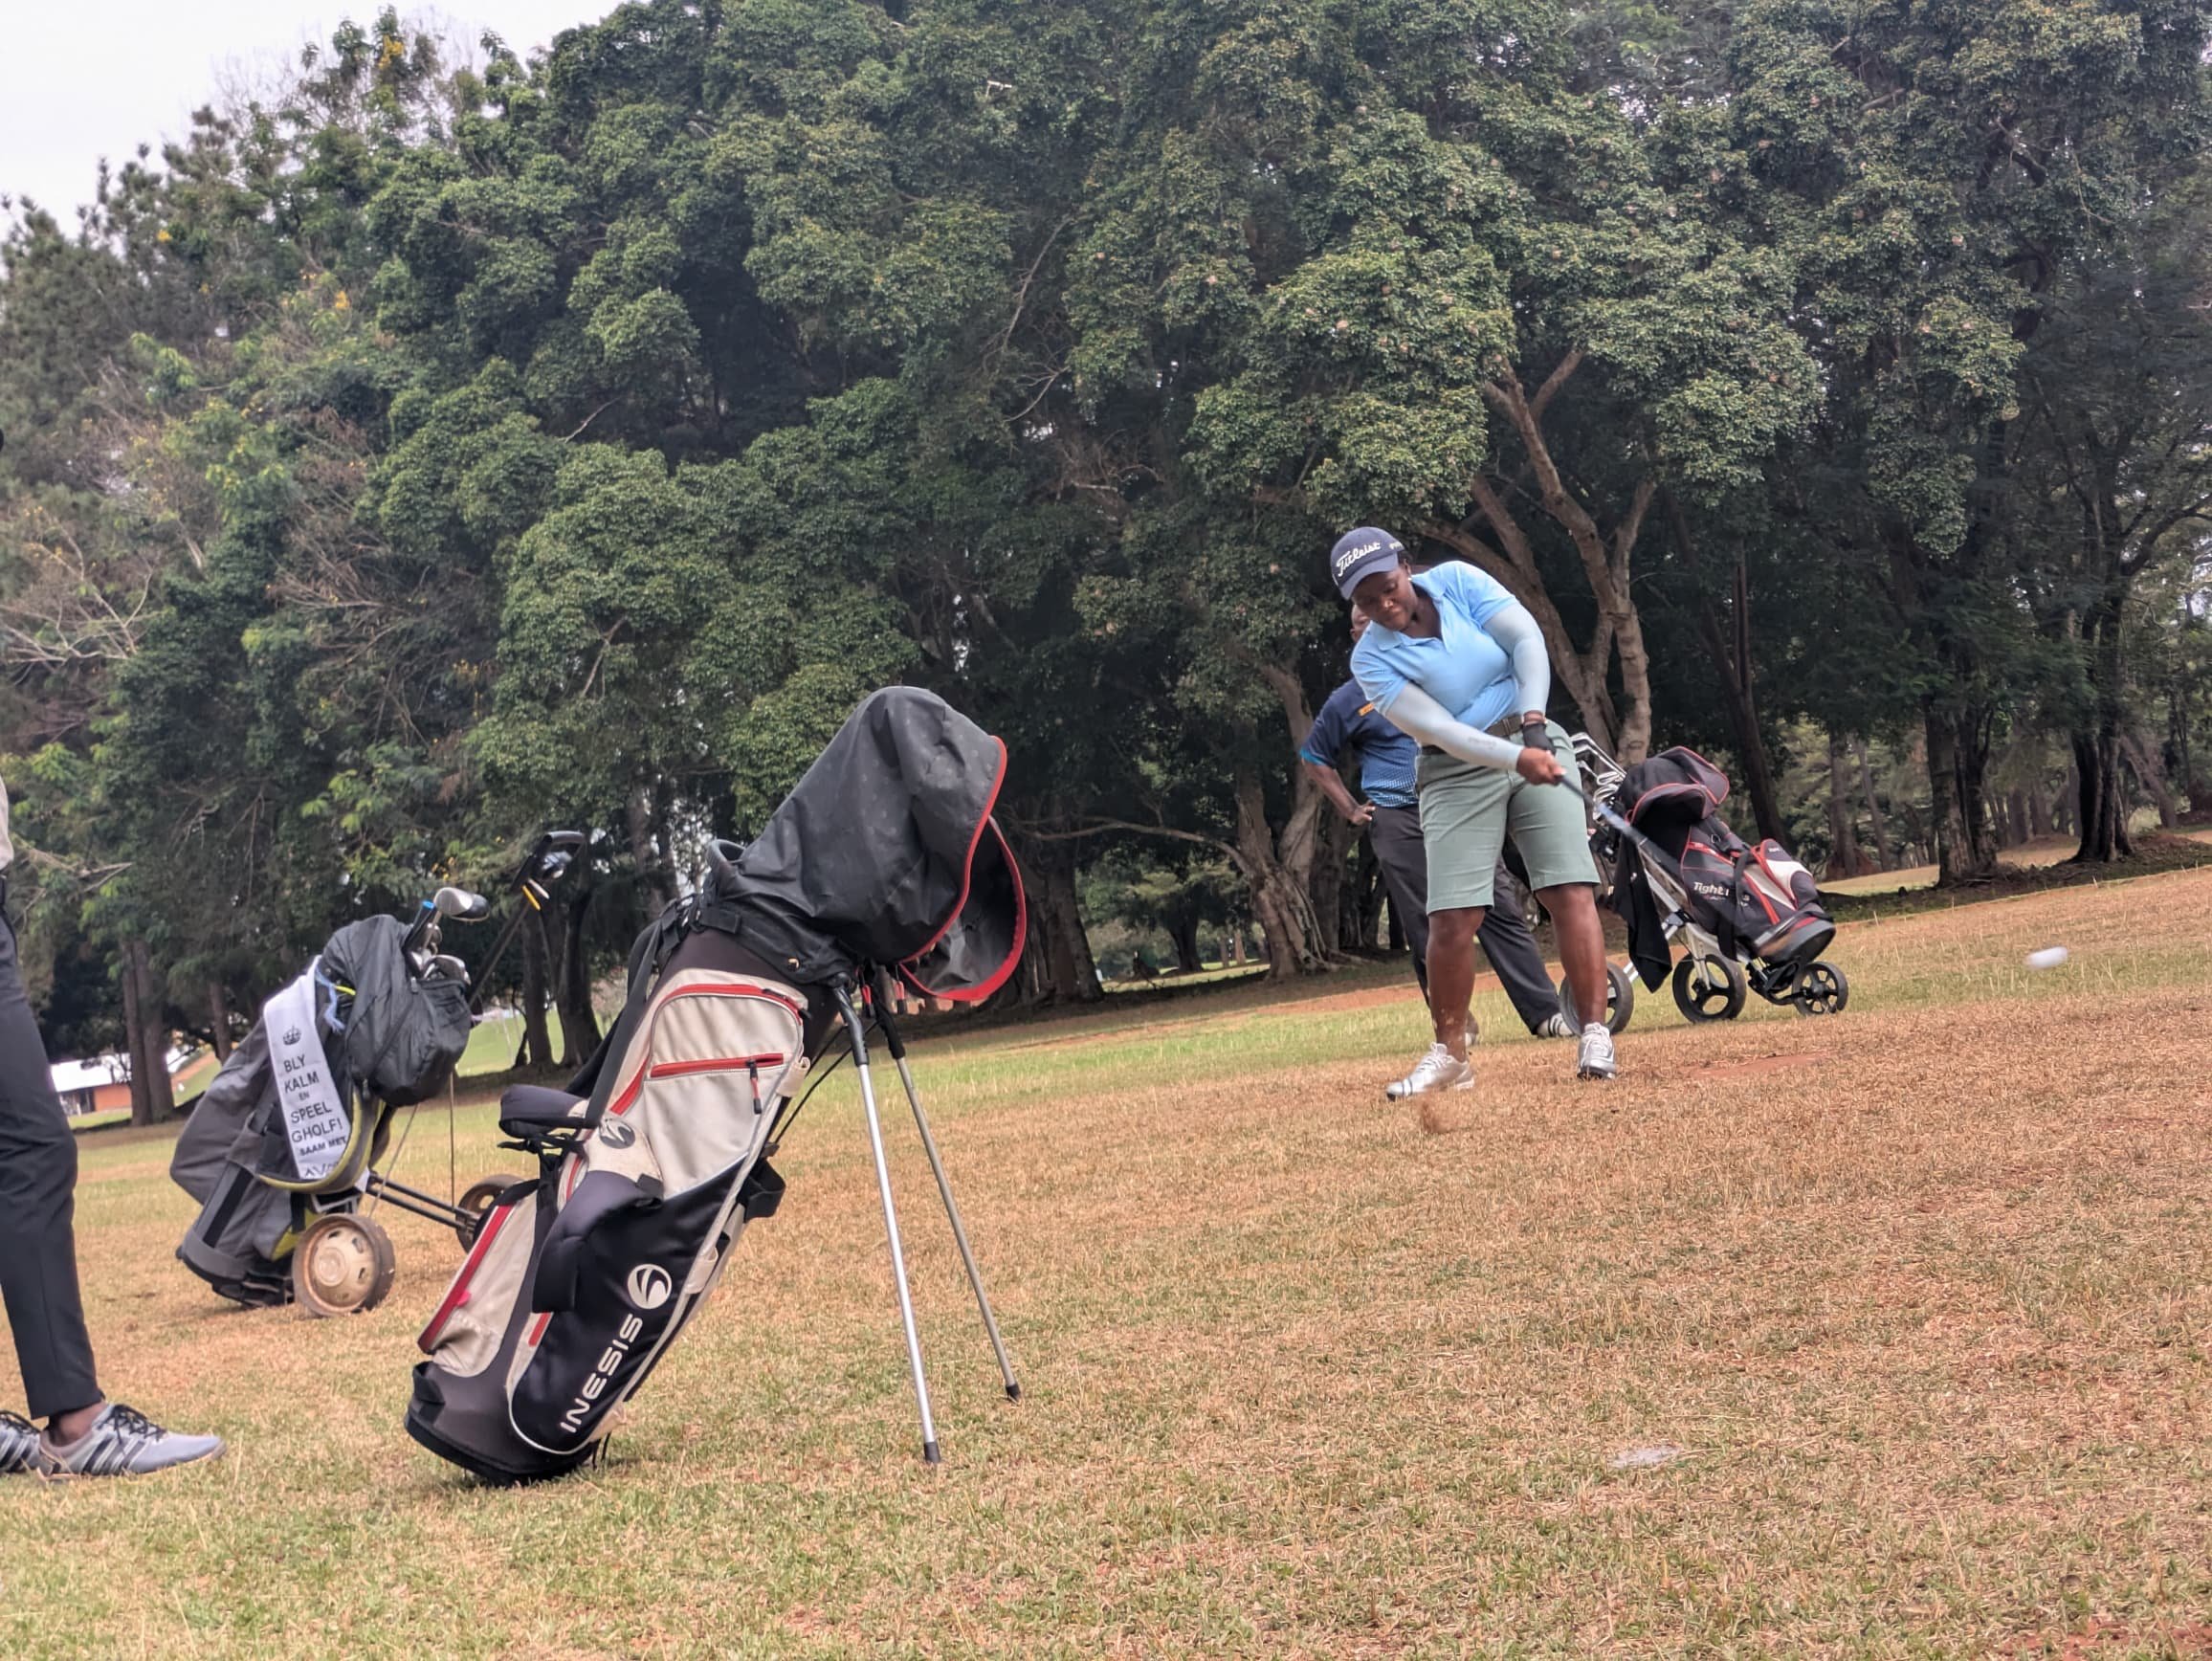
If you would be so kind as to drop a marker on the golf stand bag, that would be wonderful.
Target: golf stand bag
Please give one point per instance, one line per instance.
(884, 861)
(291, 1136)
(1751, 916)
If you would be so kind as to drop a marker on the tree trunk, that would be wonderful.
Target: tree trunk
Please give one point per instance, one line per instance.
(1730, 651)
(2101, 806)
(1279, 884)
(1075, 974)
(572, 983)
(2038, 812)
(2143, 761)
(218, 1022)
(652, 873)
(1183, 932)
(2016, 817)
(1874, 823)
(537, 1043)
(1844, 858)
(134, 1033)
(1957, 766)
(152, 1099)
(1325, 884)
(2096, 741)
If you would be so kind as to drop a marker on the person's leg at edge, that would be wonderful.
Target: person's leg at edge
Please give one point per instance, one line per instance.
(1452, 938)
(1573, 911)
(1511, 946)
(1395, 834)
(85, 1434)
(1552, 836)
(37, 1207)
(1462, 828)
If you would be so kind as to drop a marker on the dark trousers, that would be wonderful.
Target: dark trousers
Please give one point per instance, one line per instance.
(1394, 833)
(37, 1203)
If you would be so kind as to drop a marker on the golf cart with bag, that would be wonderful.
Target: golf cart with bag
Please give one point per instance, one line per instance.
(286, 1150)
(883, 865)
(1751, 916)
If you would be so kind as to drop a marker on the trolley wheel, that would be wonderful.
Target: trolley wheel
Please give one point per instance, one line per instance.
(1821, 989)
(1620, 1000)
(476, 1204)
(343, 1265)
(1709, 988)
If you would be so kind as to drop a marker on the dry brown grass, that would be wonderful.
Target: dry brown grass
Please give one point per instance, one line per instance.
(1922, 1294)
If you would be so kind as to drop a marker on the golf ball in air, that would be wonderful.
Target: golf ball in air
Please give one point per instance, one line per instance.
(2049, 957)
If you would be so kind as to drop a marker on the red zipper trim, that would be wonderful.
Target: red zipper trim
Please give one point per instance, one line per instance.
(627, 1099)
(538, 1329)
(458, 1294)
(712, 1064)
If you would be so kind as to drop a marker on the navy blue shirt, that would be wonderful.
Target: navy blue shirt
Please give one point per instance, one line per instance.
(1387, 757)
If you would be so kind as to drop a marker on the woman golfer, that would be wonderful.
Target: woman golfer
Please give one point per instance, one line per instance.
(1456, 663)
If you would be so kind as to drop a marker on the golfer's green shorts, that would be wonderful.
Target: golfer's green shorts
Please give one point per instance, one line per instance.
(1467, 812)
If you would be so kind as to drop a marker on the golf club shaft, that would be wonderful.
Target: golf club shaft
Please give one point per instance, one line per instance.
(1608, 815)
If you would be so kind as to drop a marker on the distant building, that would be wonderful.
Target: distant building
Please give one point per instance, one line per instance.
(101, 1084)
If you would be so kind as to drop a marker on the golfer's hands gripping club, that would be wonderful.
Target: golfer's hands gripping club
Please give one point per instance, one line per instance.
(1540, 767)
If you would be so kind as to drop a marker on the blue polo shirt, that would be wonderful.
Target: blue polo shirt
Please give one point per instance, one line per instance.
(1463, 669)
(1386, 755)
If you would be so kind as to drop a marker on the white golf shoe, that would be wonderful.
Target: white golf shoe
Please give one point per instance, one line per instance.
(1595, 1060)
(1438, 1069)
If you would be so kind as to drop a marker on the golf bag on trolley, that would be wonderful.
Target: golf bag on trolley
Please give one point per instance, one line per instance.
(1750, 914)
(291, 1134)
(291, 1126)
(884, 861)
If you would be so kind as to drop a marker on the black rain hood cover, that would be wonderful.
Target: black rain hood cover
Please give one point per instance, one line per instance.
(1676, 787)
(886, 854)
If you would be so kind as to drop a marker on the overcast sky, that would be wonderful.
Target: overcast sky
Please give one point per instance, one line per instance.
(81, 79)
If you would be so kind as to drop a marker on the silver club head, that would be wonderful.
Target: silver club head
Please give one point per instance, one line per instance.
(461, 905)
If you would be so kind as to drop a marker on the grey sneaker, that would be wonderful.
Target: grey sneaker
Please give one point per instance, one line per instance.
(1558, 1026)
(124, 1441)
(1438, 1069)
(18, 1444)
(1595, 1060)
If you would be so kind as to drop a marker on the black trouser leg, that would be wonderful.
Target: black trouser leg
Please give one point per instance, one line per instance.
(1395, 834)
(1510, 947)
(38, 1189)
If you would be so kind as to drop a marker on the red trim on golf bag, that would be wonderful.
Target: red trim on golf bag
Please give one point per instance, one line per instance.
(997, 977)
(968, 865)
(458, 1294)
(712, 1064)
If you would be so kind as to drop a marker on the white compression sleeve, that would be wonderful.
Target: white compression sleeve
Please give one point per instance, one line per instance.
(1426, 722)
(1515, 629)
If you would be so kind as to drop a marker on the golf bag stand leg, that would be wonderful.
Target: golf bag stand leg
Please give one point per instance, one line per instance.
(895, 1043)
(852, 1027)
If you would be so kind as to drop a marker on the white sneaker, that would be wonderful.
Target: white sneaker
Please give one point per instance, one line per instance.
(1558, 1026)
(1596, 1057)
(1438, 1069)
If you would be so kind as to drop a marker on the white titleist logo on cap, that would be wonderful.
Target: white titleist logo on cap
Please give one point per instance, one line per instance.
(1358, 552)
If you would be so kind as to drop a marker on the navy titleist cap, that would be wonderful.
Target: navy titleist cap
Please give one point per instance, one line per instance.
(1360, 553)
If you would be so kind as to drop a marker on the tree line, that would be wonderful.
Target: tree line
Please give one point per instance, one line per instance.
(446, 445)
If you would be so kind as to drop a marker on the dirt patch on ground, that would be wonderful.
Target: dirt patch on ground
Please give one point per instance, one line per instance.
(1758, 1065)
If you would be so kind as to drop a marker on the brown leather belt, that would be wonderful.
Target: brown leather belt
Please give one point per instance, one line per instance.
(1504, 727)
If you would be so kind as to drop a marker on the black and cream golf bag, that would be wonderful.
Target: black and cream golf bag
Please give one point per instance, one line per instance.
(883, 861)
